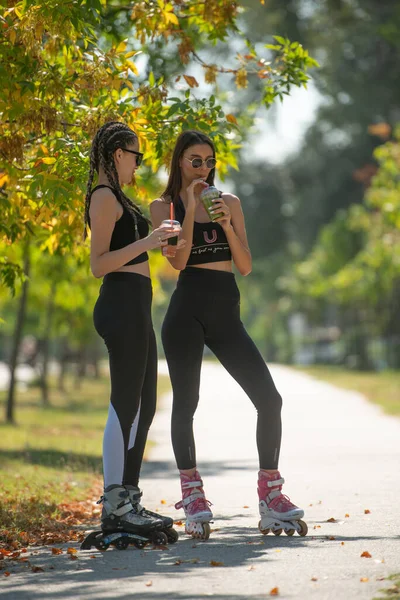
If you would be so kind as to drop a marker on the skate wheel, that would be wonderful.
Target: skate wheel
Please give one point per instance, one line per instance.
(102, 546)
(159, 538)
(121, 544)
(263, 531)
(303, 528)
(289, 532)
(206, 531)
(172, 535)
(277, 531)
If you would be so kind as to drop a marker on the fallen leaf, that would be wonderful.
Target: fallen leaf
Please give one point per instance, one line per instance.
(245, 506)
(347, 515)
(148, 583)
(274, 592)
(331, 520)
(179, 523)
(317, 526)
(92, 556)
(37, 570)
(73, 557)
(314, 579)
(367, 511)
(342, 543)
(163, 502)
(56, 551)
(331, 537)
(72, 551)
(366, 554)
(215, 563)
(364, 579)
(7, 574)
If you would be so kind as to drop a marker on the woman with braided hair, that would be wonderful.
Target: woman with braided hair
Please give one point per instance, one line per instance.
(120, 240)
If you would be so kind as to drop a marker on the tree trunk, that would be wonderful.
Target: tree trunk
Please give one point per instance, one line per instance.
(19, 325)
(44, 384)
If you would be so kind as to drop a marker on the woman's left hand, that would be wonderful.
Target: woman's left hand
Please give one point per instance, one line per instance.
(219, 206)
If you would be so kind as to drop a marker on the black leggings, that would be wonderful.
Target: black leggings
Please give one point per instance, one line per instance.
(122, 317)
(205, 309)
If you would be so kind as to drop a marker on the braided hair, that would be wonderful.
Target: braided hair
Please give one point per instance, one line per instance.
(110, 137)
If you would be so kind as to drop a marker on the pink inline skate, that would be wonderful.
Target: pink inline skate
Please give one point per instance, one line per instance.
(196, 507)
(276, 510)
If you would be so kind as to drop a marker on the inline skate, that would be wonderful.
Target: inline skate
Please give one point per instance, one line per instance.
(277, 512)
(122, 524)
(196, 507)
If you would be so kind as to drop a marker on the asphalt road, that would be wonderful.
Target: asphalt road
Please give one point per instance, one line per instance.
(341, 460)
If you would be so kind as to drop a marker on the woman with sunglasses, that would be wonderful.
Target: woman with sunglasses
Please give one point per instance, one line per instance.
(120, 240)
(205, 310)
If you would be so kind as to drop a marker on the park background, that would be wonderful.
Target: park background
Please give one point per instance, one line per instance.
(303, 102)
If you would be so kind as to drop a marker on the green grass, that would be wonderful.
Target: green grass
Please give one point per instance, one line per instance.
(51, 460)
(394, 590)
(382, 388)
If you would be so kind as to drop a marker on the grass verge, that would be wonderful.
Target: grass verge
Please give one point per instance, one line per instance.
(382, 388)
(51, 463)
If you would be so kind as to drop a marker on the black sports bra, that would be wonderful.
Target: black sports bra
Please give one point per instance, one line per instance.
(124, 229)
(209, 240)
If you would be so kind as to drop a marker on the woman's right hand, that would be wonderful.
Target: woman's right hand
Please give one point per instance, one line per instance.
(191, 192)
(158, 237)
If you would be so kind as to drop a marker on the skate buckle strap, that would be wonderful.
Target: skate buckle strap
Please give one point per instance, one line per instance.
(186, 485)
(276, 482)
(185, 501)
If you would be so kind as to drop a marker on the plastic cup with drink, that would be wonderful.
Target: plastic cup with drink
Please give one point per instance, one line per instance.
(170, 249)
(207, 195)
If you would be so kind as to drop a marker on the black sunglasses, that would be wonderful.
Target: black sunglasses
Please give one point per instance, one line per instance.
(198, 162)
(139, 155)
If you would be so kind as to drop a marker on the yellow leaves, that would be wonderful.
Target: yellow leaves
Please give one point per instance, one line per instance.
(171, 17)
(48, 160)
(132, 67)
(4, 179)
(231, 119)
(274, 591)
(191, 81)
(210, 73)
(121, 47)
(366, 554)
(382, 130)
(241, 79)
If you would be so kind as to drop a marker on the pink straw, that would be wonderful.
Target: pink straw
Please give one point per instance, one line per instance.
(171, 211)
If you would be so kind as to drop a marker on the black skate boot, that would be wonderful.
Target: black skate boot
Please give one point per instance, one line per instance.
(122, 524)
(135, 495)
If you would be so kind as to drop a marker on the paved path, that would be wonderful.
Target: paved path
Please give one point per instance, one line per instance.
(340, 456)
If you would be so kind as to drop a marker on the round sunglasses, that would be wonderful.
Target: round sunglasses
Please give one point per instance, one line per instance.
(139, 155)
(198, 162)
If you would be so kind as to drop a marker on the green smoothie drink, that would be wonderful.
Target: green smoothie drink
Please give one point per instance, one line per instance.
(207, 196)
(172, 241)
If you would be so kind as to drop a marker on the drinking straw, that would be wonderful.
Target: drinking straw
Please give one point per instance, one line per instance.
(171, 211)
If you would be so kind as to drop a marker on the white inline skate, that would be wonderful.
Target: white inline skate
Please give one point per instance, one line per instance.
(277, 512)
(196, 507)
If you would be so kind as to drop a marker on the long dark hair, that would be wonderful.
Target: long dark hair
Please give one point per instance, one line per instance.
(110, 137)
(185, 140)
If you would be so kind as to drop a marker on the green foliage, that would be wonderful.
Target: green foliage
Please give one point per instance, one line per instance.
(65, 73)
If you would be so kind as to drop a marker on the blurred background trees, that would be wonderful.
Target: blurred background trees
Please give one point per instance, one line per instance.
(323, 220)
